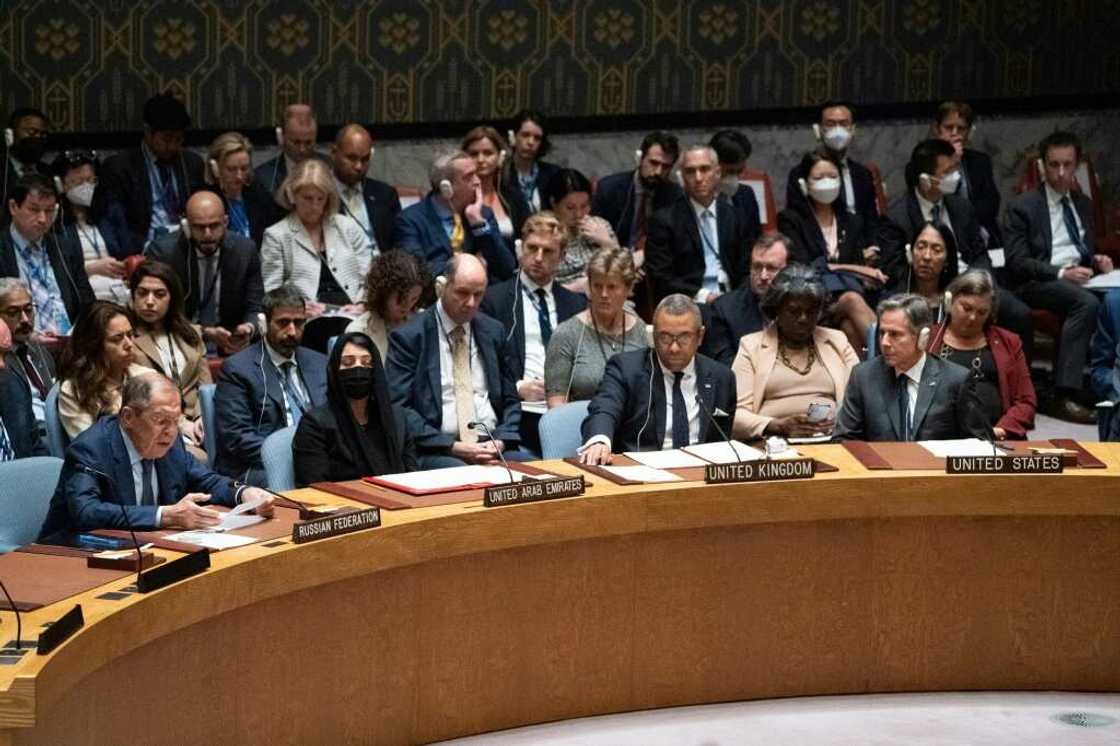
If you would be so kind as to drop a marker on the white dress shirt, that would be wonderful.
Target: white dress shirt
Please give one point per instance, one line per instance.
(203, 262)
(688, 390)
(849, 188)
(913, 382)
(294, 379)
(136, 461)
(927, 213)
(534, 343)
(483, 412)
(714, 275)
(1063, 251)
(354, 205)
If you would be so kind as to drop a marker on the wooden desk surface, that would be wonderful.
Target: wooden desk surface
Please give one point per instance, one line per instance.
(459, 619)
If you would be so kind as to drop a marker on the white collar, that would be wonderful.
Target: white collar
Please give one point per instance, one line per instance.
(914, 373)
(924, 203)
(445, 320)
(344, 189)
(689, 370)
(134, 456)
(699, 209)
(1053, 198)
(533, 287)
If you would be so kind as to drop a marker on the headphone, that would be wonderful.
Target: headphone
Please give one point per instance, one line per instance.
(262, 327)
(923, 338)
(214, 169)
(804, 187)
(446, 190)
(280, 136)
(511, 136)
(816, 130)
(638, 157)
(502, 158)
(909, 255)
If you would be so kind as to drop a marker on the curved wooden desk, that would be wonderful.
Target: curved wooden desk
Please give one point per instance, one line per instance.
(457, 620)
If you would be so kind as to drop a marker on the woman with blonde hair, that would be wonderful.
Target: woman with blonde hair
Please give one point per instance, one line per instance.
(229, 169)
(324, 254)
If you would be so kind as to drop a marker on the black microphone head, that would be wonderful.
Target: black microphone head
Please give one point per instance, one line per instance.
(472, 425)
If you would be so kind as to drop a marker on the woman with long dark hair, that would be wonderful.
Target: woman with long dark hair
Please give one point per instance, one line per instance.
(95, 365)
(166, 341)
(359, 432)
(489, 151)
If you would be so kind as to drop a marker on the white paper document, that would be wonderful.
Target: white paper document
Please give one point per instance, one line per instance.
(960, 447)
(719, 452)
(456, 477)
(642, 474)
(1103, 282)
(672, 458)
(211, 539)
(239, 518)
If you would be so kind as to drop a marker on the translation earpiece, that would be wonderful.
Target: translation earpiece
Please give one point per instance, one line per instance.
(947, 300)
(214, 168)
(9, 137)
(817, 131)
(510, 133)
(445, 189)
(638, 157)
(262, 325)
(804, 187)
(185, 227)
(517, 247)
(280, 136)
(1041, 168)
(909, 255)
(372, 149)
(58, 185)
(923, 338)
(924, 180)
(502, 157)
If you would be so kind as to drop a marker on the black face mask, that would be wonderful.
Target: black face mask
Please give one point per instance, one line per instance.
(356, 382)
(30, 150)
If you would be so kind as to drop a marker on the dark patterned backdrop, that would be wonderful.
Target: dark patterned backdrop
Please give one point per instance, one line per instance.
(92, 64)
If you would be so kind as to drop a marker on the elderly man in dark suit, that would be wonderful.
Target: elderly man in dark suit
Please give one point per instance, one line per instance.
(905, 394)
(148, 474)
(267, 386)
(452, 366)
(19, 433)
(530, 306)
(50, 264)
(141, 193)
(453, 220)
(29, 360)
(373, 204)
(688, 391)
(933, 177)
(220, 272)
(1051, 255)
(698, 245)
(628, 199)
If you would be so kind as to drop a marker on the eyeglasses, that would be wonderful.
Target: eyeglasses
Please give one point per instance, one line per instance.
(665, 339)
(16, 312)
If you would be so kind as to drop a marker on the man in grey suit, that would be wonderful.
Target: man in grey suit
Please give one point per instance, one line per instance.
(905, 394)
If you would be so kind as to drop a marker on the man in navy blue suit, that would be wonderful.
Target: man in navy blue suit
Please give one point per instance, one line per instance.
(665, 397)
(451, 365)
(159, 484)
(19, 433)
(453, 220)
(267, 387)
(530, 306)
(628, 199)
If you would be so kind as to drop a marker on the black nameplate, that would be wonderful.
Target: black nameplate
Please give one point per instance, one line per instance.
(1038, 464)
(533, 490)
(60, 629)
(761, 471)
(174, 571)
(335, 525)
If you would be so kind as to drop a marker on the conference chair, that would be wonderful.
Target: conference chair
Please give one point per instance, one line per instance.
(26, 486)
(560, 430)
(57, 439)
(276, 455)
(763, 188)
(209, 421)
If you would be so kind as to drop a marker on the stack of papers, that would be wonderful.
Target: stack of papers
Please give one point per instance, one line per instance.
(673, 458)
(211, 539)
(961, 447)
(720, 452)
(641, 474)
(447, 480)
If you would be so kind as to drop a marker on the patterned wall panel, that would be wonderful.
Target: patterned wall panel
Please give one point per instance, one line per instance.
(91, 63)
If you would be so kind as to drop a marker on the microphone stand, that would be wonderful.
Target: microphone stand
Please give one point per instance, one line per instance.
(15, 610)
(482, 426)
(715, 424)
(107, 483)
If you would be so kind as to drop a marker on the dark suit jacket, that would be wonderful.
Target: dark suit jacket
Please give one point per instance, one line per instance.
(262, 211)
(83, 503)
(1027, 235)
(69, 268)
(17, 416)
(122, 203)
(383, 205)
(270, 175)
(505, 302)
(419, 231)
(730, 318)
(863, 185)
(241, 288)
(41, 358)
(622, 408)
(750, 216)
(902, 223)
(322, 452)
(983, 193)
(615, 201)
(808, 245)
(415, 377)
(248, 381)
(870, 409)
(675, 251)
(545, 171)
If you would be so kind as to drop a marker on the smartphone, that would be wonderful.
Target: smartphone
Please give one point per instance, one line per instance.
(819, 411)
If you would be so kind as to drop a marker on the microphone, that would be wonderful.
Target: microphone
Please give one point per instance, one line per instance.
(712, 419)
(305, 512)
(15, 610)
(482, 426)
(107, 481)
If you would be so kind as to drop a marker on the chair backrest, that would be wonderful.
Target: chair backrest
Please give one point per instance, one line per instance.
(880, 187)
(209, 421)
(26, 486)
(408, 196)
(559, 429)
(759, 181)
(276, 455)
(57, 439)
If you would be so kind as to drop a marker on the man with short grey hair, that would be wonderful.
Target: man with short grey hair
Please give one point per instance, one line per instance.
(148, 472)
(698, 244)
(671, 399)
(905, 394)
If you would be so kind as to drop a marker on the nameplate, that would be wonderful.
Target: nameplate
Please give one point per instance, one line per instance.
(761, 471)
(1038, 464)
(60, 630)
(533, 490)
(335, 525)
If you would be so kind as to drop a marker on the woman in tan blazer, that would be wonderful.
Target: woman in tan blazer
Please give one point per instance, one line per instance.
(324, 254)
(167, 342)
(792, 367)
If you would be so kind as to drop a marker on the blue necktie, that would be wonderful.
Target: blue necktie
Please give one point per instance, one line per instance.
(680, 414)
(295, 399)
(147, 497)
(7, 453)
(543, 317)
(935, 214)
(903, 409)
(1071, 227)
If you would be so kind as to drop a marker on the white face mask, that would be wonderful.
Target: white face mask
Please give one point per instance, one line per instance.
(729, 185)
(825, 190)
(950, 182)
(82, 194)
(837, 138)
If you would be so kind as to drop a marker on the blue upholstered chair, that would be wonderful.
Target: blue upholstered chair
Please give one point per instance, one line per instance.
(276, 455)
(26, 486)
(560, 430)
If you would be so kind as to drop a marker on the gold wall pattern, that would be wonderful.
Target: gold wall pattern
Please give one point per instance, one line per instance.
(90, 65)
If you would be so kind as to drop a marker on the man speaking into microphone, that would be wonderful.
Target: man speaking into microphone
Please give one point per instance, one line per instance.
(667, 397)
(144, 468)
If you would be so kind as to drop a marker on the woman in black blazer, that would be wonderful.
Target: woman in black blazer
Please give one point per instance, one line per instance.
(358, 432)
